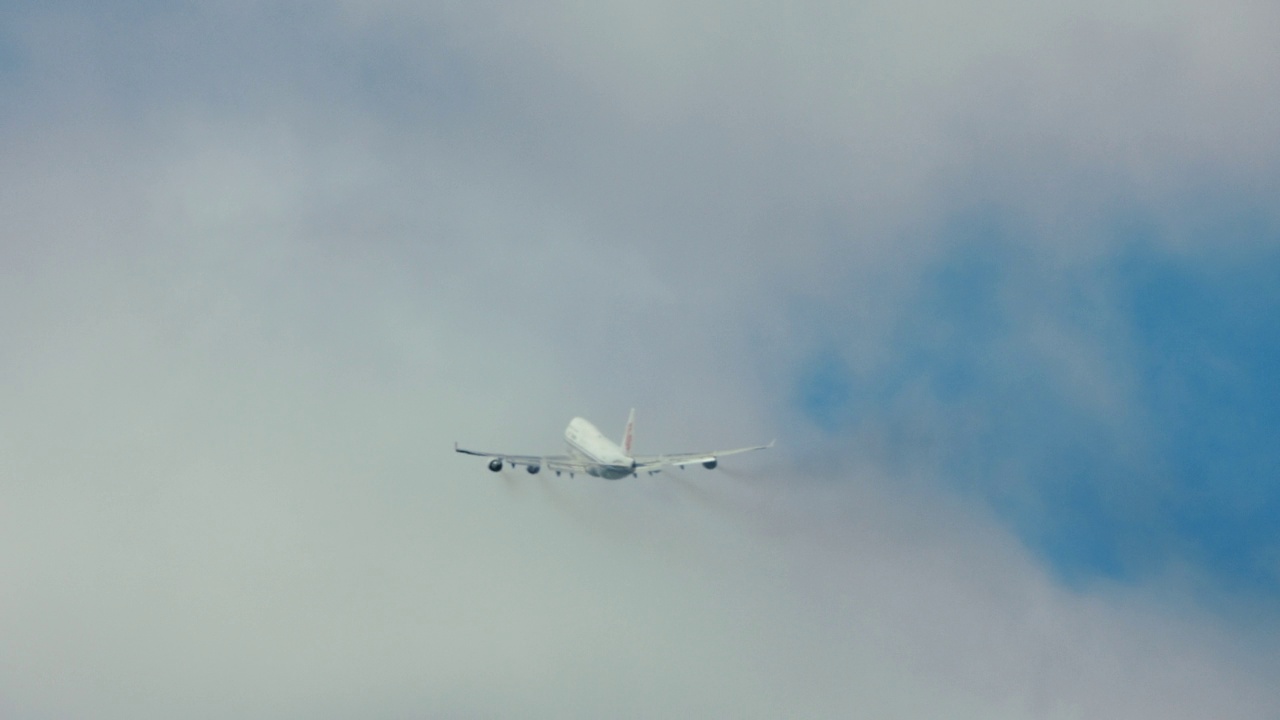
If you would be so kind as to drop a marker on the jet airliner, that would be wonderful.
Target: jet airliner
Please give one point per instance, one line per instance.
(592, 453)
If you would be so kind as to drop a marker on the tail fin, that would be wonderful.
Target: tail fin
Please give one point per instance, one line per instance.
(628, 433)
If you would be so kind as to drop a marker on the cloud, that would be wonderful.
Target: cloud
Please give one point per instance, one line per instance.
(266, 263)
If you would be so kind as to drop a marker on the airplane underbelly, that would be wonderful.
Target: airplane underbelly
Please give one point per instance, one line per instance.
(608, 472)
(596, 468)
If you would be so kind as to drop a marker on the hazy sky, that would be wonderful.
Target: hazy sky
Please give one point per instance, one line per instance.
(1004, 281)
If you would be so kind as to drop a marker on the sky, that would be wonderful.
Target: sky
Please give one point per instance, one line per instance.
(1002, 280)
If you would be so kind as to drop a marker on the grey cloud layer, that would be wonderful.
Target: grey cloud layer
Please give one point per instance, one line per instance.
(246, 313)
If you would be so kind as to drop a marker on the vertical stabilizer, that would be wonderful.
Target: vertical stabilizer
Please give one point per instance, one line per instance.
(627, 434)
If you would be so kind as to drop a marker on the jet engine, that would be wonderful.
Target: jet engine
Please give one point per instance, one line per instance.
(495, 464)
(533, 469)
(710, 464)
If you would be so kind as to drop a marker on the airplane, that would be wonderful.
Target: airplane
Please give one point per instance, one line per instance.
(592, 453)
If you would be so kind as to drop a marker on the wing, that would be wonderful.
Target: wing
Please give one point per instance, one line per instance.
(513, 459)
(654, 463)
(558, 463)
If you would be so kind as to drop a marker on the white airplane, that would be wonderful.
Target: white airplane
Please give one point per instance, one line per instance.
(592, 453)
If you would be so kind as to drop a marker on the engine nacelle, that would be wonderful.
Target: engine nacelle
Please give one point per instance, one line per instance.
(533, 469)
(710, 464)
(495, 464)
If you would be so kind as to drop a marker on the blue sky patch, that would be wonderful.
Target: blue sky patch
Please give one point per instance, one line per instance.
(1191, 476)
(1207, 339)
(824, 391)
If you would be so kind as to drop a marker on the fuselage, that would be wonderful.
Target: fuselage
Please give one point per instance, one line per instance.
(604, 458)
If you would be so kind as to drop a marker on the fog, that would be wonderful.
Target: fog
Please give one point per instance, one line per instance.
(263, 265)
